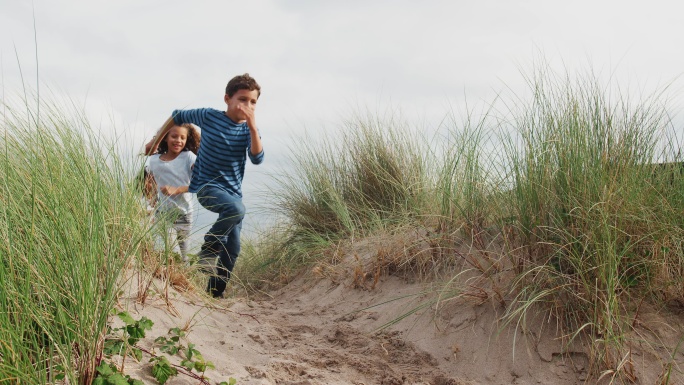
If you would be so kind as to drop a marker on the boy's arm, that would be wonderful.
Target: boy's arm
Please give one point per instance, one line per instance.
(255, 147)
(151, 146)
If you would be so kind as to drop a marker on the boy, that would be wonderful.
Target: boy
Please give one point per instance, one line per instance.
(219, 169)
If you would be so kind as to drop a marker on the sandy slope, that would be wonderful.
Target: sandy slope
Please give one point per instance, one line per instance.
(319, 330)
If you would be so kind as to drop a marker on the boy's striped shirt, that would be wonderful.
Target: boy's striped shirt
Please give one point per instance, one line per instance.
(223, 150)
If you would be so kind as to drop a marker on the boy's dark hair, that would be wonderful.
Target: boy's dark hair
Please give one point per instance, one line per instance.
(242, 82)
(192, 144)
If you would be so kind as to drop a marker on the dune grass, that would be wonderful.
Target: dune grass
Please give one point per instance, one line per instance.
(597, 220)
(579, 185)
(362, 180)
(70, 221)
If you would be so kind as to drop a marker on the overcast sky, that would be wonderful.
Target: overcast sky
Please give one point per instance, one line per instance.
(317, 60)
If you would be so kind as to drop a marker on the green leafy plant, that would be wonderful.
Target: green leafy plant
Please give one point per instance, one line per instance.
(126, 336)
(171, 345)
(162, 369)
(109, 374)
(194, 360)
(123, 342)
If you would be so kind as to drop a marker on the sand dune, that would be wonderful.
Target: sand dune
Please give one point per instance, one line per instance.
(331, 330)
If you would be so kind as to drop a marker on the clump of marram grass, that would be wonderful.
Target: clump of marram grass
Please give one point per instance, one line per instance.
(69, 221)
(378, 175)
(467, 178)
(573, 199)
(595, 224)
(374, 173)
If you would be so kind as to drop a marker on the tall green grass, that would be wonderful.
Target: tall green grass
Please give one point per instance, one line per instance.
(572, 197)
(598, 223)
(372, 174)
(69, 222)
(466, 177)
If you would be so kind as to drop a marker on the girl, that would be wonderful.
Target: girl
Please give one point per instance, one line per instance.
(171, 168)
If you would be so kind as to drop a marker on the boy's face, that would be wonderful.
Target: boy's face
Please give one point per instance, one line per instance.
(241, 105)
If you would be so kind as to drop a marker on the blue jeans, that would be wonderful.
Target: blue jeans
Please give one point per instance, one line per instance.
(223, 239)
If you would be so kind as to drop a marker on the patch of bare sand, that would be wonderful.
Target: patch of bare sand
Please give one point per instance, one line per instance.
(318, 330)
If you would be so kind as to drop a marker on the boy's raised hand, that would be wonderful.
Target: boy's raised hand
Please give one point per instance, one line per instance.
(249, 115)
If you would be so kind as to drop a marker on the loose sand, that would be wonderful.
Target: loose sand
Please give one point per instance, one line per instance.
(333, 329)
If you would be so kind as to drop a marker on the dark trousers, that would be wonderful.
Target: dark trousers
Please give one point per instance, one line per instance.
(222, 242)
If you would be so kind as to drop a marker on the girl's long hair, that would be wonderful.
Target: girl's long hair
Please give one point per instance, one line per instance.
(192, 144)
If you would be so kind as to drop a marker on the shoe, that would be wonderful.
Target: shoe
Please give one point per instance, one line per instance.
(214, 293)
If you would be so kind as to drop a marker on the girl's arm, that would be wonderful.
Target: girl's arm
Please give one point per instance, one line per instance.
(151, 146)
(171, 190)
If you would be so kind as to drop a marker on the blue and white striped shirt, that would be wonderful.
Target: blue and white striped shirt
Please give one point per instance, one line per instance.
(222, 153)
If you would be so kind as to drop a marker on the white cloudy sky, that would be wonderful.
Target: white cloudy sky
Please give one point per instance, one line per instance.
(315, 59)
